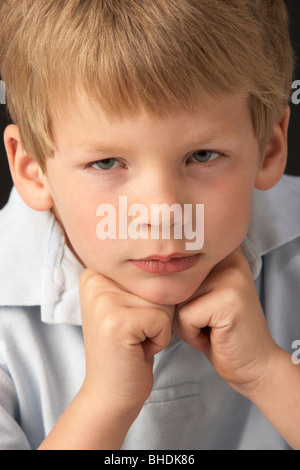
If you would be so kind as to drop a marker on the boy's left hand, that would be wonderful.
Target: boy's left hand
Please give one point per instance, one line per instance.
(225, 320)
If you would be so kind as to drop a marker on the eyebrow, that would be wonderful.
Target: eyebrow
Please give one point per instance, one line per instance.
(216, 141)
(88, 150)
(95, 147)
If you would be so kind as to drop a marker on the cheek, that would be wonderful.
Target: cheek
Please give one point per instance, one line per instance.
(77, 216)
(80, 223)
(228, 216)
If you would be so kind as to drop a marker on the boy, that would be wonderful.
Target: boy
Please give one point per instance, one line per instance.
(139, 342)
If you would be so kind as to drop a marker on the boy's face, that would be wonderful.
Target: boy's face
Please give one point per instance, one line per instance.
(208, 157)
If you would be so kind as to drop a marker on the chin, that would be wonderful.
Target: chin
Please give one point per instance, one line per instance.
(167, 292)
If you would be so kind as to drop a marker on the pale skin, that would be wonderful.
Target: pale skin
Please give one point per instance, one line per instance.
(128, 315)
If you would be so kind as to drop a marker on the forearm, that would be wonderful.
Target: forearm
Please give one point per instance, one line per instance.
(85, 427)
(277, 397)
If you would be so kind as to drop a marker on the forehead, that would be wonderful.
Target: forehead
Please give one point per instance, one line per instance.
(85, 125)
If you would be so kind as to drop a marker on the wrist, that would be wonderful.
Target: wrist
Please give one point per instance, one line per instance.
(276, 395)
(98, 404)
(269, 373)
(260, 373)
(89, 424)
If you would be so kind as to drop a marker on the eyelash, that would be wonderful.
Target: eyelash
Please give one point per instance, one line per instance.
(207, 163)
(94, 171)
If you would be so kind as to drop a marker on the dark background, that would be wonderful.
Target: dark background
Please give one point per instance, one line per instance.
(293, 165)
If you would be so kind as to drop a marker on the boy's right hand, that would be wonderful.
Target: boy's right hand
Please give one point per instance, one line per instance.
(122, 333)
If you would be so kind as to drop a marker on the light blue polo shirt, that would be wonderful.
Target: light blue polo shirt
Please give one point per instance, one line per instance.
(42, 361)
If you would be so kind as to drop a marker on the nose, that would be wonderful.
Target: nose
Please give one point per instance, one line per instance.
(161, 197)
(162, 219)
(161, 186)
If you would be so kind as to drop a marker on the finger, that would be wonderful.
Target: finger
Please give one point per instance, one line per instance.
(193, 321)
(227, 272)
(152, 328)
(197, 338)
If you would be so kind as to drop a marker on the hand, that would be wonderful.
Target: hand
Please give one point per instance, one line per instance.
(122, 333)
(226, 321)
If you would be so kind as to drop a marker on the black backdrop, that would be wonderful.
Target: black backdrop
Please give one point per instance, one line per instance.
(293, 165)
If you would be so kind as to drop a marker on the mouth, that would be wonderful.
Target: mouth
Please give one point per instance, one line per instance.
(168, 264)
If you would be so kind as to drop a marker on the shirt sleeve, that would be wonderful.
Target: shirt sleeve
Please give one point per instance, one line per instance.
(12, 437)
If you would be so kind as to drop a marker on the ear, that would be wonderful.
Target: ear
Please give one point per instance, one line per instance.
(26, 173)
(275, 157)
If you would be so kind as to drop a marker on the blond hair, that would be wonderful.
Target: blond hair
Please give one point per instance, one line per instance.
(161, 54)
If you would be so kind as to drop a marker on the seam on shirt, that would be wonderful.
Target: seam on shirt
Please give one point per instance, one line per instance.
(181, 394)
(183, 397)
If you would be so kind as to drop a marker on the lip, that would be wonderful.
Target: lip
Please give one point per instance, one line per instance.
(167, 264)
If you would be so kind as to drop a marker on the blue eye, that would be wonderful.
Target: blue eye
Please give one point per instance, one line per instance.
(107, 164)
(203, 156)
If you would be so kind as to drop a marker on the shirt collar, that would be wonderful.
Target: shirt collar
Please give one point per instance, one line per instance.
(275, 220)
(60, 302)
(38, 268)
(36, 265)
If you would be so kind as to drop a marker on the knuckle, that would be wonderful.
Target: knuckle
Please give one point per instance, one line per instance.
(235, 277)
(112, 324)
(108, 300)
(181, 313)
(230, 296)
(165, 322)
